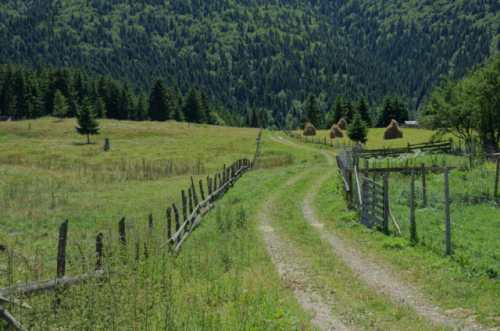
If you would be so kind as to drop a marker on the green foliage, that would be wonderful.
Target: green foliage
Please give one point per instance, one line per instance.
(60, 106)
(86, 119)
(395, 243)
(158, 109)
(364, 110)
(338, 112)
(312, 109)
(357, 130)
(392, 109)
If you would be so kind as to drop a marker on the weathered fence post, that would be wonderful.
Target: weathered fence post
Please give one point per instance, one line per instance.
(61, 249)
(195, 196)
(169, 223)
(98, 250)
(413, 225)
(150, 225)
(121, 230)
(201, 191)
(184, 207)
(190, 201)
(386, 204)
(177, 223)
(224, 174)
(496, 178)
(5, 315)
(447, 212)
(424, 189)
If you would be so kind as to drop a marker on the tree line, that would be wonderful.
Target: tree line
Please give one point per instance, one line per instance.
(25, 93)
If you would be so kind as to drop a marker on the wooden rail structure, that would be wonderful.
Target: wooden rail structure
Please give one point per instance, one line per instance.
(216, 187)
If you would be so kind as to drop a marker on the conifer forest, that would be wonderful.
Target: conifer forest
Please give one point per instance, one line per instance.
(238, 62)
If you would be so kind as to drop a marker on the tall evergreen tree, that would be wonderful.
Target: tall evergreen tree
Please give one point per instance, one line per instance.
(127, 103)
(205, 107)
(60, 104)
(158, 103)
(254, 117)
(338, 111)
(364, 110)
(349, 111)
(86, 119)
(192, 110)
(357, 130)
(141, 107)
(313, 111)
(386, 113)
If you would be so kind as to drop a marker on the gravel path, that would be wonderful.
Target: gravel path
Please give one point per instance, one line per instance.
(294, 275)
(379, 279)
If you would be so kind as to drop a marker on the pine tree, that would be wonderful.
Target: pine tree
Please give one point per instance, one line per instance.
(126, 104)
(330, 118)
(60, 104)
(357, 130)
(192, 110)
(338, 113)
(263, 120)
(205, 107)
(99, 107)
(401, 113)
(254, 118)
(141, 107)
(349, 110)
(86, 119)
(313, 111)
(364, 110)
(158, 109)
(386, 114)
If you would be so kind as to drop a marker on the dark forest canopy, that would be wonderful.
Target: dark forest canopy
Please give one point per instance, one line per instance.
(251, 51)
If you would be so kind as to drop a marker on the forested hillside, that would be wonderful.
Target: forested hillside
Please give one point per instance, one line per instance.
(243, 52)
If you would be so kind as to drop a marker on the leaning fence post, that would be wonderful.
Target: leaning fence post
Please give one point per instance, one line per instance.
(98, 249)
(121, 229)
(190, 201)
(386, 204)
(177, 224)
(195, 196)
(413, 224)
(184, 206)
(201, 191)
(61, 249)
(447, 212)
(424, 189)
(496, 178)
(169, 223)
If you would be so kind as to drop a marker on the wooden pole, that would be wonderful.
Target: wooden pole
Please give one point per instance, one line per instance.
(61, 249)
(169, 222)
(496, 178)
(98, 250)
(121, 230)
(150, 225)
(386, 204)
(424, 189)
(184, 207)
(447, 212)
(413, 228)
(177, 223)
(201, 191)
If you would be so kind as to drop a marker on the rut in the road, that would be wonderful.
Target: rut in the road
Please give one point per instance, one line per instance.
(294, 275)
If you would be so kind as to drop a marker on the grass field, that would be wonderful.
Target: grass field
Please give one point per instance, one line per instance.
(224, 278)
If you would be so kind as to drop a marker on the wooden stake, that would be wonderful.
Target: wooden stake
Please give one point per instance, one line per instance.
(447, 212)
(150, 221)
(169, 222)
(61, 249)
(98, 249)
(496, 178)
(424, 189)
(121, 230)
(386, 204)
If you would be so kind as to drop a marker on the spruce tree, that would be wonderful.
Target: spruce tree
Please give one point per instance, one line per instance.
(338, 112)
(86, 119)
(349, 111)
(158, 109)
(254, 117)
(192, 110)
(357, 130)
(313, 110)
(99, 107)
(386, 114)
(330, 118)
(205, 107)
(141, 107)
(60, 104)
(364, 110)
(126, 104)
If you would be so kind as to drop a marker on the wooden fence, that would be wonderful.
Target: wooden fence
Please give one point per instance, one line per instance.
(373, 201)
(184, 225)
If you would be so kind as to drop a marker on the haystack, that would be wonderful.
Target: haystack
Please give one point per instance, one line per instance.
(309, 130)
(342, 124)
(393, 131)
(335, 132)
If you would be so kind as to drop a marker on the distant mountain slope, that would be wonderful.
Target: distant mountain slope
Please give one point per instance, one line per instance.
(246, 51)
